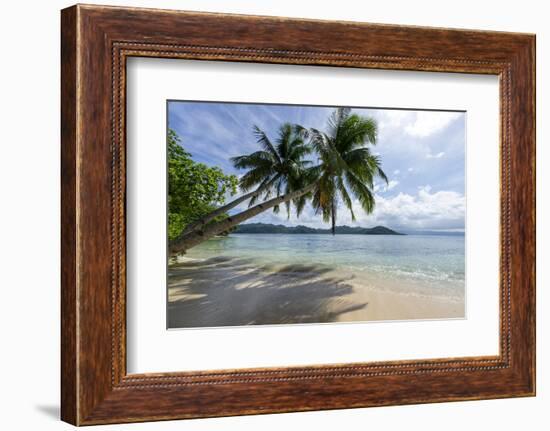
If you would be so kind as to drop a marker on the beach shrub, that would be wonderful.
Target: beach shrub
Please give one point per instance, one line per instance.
(194, 189)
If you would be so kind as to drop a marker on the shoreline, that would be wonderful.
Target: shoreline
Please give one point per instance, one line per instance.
(221, 291)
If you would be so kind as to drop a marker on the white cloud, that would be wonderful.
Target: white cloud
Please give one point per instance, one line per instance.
(425, 210)
(393, 119)
(410, 170)
(383, 187)
(392, 184)
(396, 172)
(419, 124)
(435, 156)
(428, 122)
(442, 210)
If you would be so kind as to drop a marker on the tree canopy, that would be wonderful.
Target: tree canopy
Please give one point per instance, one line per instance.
(345, 170)
(194, 189)
(347, 167)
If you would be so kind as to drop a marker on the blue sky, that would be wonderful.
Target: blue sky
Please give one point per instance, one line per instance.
(422, 153)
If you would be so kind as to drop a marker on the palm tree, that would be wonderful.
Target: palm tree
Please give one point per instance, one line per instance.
(194, 238)
(347, 167)
(275, 169)
(269, 169)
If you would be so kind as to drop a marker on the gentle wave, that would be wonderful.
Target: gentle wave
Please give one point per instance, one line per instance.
(422, 274)
(428, 263)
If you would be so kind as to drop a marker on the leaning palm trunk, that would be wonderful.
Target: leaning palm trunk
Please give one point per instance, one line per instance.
(200, 223)
(186, 241)
(333, 216)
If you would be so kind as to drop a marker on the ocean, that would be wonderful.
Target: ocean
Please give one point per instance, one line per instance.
(417, 264)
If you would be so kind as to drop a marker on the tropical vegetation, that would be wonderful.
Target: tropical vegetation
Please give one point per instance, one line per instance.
(300, 165)
(194, 189)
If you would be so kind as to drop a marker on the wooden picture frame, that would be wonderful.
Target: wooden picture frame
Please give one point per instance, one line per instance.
(95, 43)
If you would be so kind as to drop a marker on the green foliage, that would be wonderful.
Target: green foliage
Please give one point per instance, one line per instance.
(347, 166)
(345, 170)
(279, 167)
(194, 189)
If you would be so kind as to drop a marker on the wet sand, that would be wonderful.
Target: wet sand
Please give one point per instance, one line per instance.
(235, 292)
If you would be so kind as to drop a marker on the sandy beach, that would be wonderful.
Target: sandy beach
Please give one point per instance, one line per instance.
(223, 291)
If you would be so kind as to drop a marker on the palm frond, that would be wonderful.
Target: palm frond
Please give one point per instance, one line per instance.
(345, 196)
(300, 131)
(253, 160)
(264, 141)
(361, 192)
(255, 177)
(284, 139)
(264, 187)
(336, 120)
(300, 204)
(374, 163)
(252, 201)
(319, 143)
(357, 131)
(298, 150)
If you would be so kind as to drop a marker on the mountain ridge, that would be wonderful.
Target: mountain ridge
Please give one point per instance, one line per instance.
(252, 228)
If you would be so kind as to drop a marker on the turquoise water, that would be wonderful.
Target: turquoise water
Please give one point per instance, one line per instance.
(437, 262)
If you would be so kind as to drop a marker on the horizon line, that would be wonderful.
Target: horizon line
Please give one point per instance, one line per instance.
(363, 227)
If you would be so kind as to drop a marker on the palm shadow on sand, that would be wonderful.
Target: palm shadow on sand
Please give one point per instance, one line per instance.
(236, 292)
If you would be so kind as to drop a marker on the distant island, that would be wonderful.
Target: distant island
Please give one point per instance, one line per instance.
(340, 230)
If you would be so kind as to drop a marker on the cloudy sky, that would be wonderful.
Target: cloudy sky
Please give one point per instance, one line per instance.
(422, 153)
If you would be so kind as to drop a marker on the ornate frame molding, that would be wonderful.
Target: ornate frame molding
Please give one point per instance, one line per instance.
(96, 41)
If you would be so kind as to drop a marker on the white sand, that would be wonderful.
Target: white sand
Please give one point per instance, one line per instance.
(231, 292)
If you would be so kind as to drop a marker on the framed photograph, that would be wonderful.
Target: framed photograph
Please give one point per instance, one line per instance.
(265, 215)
